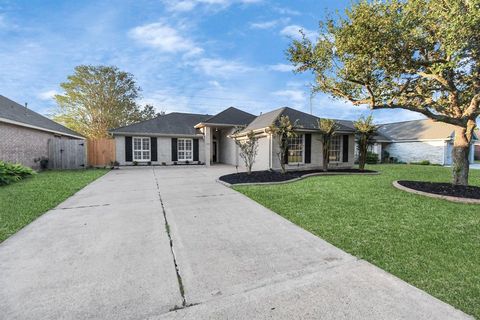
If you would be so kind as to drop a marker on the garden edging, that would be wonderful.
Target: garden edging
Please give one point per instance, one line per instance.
(433, 195)
(297, 179)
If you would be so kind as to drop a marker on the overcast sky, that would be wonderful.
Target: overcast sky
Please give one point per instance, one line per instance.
(190, 56)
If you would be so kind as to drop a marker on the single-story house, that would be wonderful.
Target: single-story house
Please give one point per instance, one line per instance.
(195, 138)
(25, 133)
(418, 140)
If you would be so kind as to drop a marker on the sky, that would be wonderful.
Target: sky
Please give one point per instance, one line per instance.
(198, 56)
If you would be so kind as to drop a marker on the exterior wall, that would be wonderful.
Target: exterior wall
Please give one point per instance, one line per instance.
(164, 150)
(316, 155)
(476, 148)
(433, 151)
(262, 160)
(228, 149)
(22, 145)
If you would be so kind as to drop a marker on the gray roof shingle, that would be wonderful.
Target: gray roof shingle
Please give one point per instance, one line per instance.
(174, 123)
(303, 120)
(425, 129)
(231, 116)
(13, 111)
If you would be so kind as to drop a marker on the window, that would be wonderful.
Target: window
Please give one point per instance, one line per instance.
(295, 149)
(141, 149)
(185, 149)
(335, 149)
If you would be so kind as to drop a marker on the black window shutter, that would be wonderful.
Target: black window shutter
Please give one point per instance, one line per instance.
(345, 148)
(308, 148)
(174, 149)
(153, 149)
(285, 156)
(128, 149)
(195, 149)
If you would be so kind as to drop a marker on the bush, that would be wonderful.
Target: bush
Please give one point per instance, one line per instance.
(10, 172)
(372, 158)
(423, 163)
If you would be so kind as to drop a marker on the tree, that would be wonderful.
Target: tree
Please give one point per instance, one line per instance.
(418, 55)
(327, 128)
(99, 98)
(282, 130)
(248, 149)
(365, 131)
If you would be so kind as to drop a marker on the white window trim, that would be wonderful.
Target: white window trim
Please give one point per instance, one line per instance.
(303, 152)
(185, 150)
(340, 156)
(141, 149)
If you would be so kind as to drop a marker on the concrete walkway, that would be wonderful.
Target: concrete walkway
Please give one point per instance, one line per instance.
(106, 254)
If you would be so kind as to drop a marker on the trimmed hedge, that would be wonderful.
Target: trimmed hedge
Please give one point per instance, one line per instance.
(12, 172)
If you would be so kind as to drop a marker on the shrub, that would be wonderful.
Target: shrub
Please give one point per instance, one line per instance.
(423, 163)
(372, 158)
(10, 172)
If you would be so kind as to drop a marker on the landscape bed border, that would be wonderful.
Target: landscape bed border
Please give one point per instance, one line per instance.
(397, 185)
(230, 185)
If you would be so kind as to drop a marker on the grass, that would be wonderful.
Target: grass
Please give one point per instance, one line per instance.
(430, 243)
(24, 201)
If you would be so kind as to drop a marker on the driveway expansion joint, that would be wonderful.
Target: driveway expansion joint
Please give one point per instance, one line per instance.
(177, 270)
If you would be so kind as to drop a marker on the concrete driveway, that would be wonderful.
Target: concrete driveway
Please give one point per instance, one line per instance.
(171, 243)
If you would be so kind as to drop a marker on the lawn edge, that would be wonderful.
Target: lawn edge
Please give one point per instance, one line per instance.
(434, 195)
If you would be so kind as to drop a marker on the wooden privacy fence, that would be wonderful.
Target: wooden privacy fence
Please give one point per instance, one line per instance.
(101, 152)
(66, 154)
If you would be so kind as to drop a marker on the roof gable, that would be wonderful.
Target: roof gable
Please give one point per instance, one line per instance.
(231, 116)
(15, 112)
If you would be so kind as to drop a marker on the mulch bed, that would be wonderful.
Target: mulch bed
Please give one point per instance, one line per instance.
(444, 189)
(276, 176)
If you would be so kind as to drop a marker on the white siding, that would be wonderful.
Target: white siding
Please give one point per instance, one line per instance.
(164, 150)
(316, 155)
(433, 151)
(228, 149)
(262, 161)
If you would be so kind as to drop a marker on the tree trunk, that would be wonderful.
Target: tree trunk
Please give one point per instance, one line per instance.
(460, 152)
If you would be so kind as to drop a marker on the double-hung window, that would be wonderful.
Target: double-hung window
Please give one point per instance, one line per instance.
(335, 149)
(185, 149)
(141, 149)
(295, 149)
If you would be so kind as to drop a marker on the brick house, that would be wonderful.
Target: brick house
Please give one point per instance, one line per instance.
(24, 134)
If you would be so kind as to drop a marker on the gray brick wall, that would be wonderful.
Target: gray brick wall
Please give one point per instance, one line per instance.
(22, 145)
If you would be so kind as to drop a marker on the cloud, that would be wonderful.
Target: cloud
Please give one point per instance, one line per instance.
(281, 67)
(189, 5)
(286, 11)
(268, 24)
(47, 95)
(220, 67)
(164, 38)
(295, 96)
(293, 31)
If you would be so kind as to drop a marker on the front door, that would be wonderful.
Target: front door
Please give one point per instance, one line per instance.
(214, 155)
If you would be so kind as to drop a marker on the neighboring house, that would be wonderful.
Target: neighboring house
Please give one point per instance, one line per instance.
(417, 140)
(182, 137)
(25, 133)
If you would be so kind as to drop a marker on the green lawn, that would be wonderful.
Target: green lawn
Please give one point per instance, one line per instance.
(23, 201)
(432, 244)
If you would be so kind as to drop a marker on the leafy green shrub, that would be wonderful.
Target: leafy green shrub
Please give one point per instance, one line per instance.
(12, 172)
(423, 163)
(372, 158)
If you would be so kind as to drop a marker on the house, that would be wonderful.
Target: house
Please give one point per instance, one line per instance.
(418, 140)
(194, 138)
(25, 134)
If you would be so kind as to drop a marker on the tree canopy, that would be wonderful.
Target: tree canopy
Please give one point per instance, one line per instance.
(418, 55)
(99, 98)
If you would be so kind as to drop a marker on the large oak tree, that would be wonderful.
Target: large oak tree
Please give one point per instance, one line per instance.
(418, 55)
(99, 98)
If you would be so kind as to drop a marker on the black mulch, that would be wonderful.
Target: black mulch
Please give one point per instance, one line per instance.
(444, 189)
(276, 176)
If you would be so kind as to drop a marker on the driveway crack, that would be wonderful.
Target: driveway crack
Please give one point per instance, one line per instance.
(177, 270)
